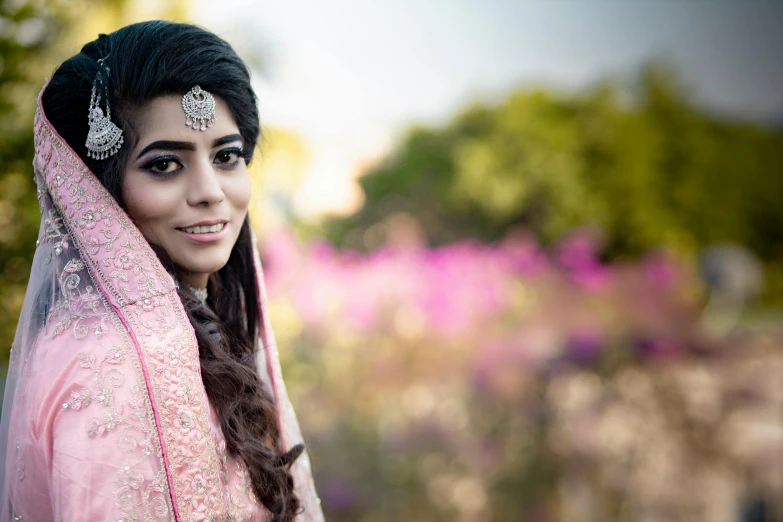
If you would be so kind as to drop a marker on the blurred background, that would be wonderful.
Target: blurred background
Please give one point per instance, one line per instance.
(525, 259)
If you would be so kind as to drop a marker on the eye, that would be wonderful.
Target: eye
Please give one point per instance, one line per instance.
(228, 156)
(164, 166)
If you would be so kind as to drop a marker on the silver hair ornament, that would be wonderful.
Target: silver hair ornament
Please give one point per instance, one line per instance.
(199, 107)
(104, 138)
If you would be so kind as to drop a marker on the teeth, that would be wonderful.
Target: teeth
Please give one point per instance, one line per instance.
(204, 229)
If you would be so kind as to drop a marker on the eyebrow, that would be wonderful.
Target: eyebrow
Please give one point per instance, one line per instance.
(186, 145)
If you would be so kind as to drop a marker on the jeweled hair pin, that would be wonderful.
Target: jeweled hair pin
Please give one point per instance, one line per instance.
(199, 107)
(104, 138)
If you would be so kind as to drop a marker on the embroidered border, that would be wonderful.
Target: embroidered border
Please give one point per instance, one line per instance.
(79, 310)
(144, 298)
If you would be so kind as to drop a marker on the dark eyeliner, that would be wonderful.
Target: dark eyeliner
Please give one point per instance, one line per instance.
(230, 150)
(152, 162)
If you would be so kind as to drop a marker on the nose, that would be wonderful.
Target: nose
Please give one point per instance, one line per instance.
(204, 185)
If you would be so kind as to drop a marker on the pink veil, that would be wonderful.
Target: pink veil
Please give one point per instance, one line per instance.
(103, 388)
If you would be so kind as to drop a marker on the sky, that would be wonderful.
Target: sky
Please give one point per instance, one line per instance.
(348, 76)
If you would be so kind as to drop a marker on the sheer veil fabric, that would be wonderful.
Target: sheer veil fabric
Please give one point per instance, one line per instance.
(105, 417)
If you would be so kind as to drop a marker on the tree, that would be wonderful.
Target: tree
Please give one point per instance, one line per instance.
(651, 171)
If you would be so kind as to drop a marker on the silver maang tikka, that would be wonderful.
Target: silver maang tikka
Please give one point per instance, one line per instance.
(104, 138)
(199, 107)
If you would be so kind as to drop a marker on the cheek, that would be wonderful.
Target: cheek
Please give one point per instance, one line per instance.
(238, 190)
(149, 204)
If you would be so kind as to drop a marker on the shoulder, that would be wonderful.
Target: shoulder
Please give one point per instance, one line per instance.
(71, 371)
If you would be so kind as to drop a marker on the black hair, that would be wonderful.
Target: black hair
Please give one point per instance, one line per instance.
(142, 62)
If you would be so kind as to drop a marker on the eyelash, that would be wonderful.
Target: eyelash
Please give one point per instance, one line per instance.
(231, 150)
(169, 158)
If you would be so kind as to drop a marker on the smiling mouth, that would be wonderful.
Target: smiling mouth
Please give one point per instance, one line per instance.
(204, 229)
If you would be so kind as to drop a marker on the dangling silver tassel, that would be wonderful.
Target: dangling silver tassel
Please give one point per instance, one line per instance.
(104, 138)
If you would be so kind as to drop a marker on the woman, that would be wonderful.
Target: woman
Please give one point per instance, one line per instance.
(144, 383)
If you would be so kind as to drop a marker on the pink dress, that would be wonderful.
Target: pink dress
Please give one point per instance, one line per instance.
(106, 417)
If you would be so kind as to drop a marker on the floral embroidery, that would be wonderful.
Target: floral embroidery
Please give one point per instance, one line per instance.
(104, 425)
(184, 423)
(54, 233)
(108, 380)
(80, 196)
(89, 218)
(237, 509)
(137, 286)
(220, 443)
(141, 317)
(80, 308)
(96, 242)
(126, 259)
(177, 367)
(76, 308)
(244, 485)
(79, 220)
(132, 491)
(78, 400)
(202, 492)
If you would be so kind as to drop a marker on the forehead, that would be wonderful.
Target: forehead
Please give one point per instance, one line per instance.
(164, 119)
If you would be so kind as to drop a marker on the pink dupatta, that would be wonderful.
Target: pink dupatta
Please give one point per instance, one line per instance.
(105, 416)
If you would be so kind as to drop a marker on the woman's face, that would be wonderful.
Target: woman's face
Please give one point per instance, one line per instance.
(187, 190)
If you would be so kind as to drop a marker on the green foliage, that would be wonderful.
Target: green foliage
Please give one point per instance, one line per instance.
(650, 170)
(27, 33)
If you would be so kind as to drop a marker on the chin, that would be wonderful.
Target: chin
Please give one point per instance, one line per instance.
(204, 266)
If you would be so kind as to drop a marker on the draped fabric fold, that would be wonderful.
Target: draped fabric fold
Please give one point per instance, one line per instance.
(105, 416)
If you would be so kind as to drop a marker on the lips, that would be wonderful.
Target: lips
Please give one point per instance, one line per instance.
(205, 231)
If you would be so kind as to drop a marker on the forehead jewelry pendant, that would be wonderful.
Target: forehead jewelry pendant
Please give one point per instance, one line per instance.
(199, 107)
(104, 138)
